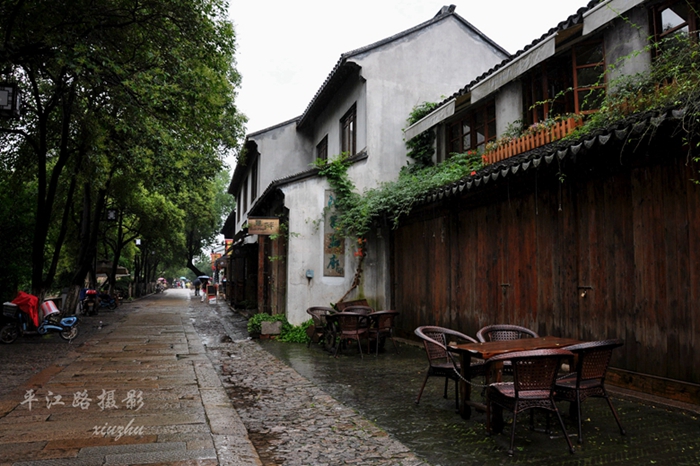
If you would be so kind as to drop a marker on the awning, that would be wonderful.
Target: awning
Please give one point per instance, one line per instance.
(514, 68)
(605, 12)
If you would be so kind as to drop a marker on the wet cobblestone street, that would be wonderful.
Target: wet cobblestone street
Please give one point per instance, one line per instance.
(211, 395)
(383, 389)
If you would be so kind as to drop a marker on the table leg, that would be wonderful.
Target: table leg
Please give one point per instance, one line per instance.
(494, 418)
(465, 389)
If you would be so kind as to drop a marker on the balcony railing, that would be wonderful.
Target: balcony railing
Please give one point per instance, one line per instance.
(533, 140)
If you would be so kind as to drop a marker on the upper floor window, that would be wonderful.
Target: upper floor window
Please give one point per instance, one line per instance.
(322, 149)
(569, 83)
(547, 90)
(239, 206)
(244, 190)
(589, 77)
(348, 131)
(674, 17)
(254, 180)
(473, 130)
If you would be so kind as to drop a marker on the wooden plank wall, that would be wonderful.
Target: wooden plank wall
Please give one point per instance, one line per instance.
(612, 254)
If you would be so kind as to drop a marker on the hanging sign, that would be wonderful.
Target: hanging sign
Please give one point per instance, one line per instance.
(263, 225)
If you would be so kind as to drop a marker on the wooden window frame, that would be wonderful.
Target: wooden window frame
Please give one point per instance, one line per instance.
(322, 148)
(254, 180)
(456, 135)
(348, 131)
(576, 67)
(657, 26)
(239, 205)
(245, 195)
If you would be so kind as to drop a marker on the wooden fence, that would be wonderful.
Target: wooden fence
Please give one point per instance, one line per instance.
(534, 140)
(611, 254)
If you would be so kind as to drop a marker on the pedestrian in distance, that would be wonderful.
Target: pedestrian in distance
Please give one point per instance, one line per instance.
(197, 284)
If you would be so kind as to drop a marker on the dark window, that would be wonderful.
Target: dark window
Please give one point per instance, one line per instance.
(239, 206)
(245, 195)
(570, 83)
(254, 181)
(674, 17)
(322, 149)
(348, 129)
(547, 90)
(474, 130)
(589, 77)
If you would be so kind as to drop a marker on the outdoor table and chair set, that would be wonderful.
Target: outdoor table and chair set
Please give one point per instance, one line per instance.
(536, 369)
(356, 322)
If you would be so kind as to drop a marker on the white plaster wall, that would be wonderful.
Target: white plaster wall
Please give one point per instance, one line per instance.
(426, 66)
(509, 105)
(394, 78)
(305, 201)
(623, 40)
(328, 121)
(283, 151)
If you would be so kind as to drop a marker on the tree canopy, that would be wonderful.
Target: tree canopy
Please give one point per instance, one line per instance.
(128, 105)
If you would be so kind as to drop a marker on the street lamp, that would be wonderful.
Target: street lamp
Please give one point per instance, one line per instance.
(10, 100)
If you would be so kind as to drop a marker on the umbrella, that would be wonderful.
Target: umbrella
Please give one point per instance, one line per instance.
(161, 279)
(183, 278)
(203, 277)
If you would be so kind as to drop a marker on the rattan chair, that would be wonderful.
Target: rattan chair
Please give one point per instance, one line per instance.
(381, 326)
(318, 315)
(359, 309)
(588, 380)
(351, 326)
(534, 376)
(500, 332)
(440, 362)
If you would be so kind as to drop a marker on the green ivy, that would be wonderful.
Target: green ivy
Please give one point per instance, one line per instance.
(673, 80)
(296, 333)
(391, 200)
(289, 333)
(422, 147)
(255, 321)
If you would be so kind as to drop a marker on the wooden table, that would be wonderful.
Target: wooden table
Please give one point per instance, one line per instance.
(489, 349)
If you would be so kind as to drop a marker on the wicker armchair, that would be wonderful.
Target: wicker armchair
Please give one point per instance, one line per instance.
(319, 316)
(351, 326)
(381, 327)
(588, 380)
(500, 332)
(534, 376)
(440, 362)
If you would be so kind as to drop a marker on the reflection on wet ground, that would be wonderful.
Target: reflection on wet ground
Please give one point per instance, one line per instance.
(384, 388)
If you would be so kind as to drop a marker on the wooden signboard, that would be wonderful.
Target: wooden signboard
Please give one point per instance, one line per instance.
(263, 225)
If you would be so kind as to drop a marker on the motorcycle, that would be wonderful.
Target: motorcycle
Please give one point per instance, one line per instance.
(108, 301)
(17, 322)
(89, 305)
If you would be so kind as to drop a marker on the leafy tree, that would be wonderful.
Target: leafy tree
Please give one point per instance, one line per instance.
(117, 91)
(204, 223)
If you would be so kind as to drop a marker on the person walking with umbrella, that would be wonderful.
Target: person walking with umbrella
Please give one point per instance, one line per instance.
(196, 284)
(204, 280)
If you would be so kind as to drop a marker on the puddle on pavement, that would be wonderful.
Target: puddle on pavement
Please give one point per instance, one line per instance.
(383, 389)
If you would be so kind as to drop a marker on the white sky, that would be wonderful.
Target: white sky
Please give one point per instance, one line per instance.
(287, 48)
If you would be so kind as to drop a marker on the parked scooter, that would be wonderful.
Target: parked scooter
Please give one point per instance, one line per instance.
(107, 300)
(16, 322)
(89, 304)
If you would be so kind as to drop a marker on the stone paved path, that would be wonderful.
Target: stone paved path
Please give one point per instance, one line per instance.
(143, 392)
(173, 381)
(147, 389)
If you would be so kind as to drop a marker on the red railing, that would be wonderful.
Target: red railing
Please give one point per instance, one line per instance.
(532, 141)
